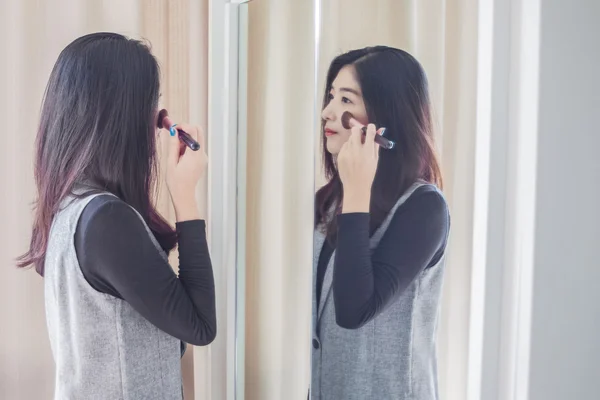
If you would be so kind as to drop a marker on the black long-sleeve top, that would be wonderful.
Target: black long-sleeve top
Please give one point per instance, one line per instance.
(364, 283)
(117, 257)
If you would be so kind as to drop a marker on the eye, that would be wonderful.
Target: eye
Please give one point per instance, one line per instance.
(329, 97)
(346, 100)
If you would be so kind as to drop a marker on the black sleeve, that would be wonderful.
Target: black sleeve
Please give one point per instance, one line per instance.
(117, 257)
(364, 284)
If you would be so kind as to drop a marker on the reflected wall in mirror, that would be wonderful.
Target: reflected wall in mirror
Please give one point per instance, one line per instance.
(279, 209)
(381, 326)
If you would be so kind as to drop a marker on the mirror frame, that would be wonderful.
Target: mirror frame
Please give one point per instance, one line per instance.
(227, 129)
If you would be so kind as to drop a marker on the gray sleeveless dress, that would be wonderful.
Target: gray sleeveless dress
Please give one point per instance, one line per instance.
(391, 357)
(103, 348)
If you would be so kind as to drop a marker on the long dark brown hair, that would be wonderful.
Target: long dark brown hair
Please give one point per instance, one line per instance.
(396, 95)
(97, 130)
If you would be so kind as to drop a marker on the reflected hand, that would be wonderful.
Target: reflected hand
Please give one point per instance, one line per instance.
(357, 165)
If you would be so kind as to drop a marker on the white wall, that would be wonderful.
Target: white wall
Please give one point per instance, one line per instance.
(565, 331)
(536, 335)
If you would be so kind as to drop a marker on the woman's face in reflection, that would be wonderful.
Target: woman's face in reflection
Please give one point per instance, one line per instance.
(345, 95)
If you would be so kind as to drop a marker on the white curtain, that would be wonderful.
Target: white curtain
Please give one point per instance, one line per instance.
(33, 34)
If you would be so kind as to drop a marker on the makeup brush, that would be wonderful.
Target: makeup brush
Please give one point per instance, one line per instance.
(379, 139)
(183, 135)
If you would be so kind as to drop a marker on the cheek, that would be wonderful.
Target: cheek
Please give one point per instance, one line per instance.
(344, 135)
(360, 114)
(339, 139)
(335, 143)
(362, 118)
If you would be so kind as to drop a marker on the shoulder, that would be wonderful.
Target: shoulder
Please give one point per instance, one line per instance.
(427, 199)
(106, 210)
(423, 221)
(425, 211)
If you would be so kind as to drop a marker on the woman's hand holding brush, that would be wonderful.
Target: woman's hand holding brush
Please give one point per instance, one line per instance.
(185, 168)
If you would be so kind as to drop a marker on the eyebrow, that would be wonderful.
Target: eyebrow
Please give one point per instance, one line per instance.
(345, 89)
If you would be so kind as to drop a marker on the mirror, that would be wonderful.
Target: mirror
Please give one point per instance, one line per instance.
(414, 312)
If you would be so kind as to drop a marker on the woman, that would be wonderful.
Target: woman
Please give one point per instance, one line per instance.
(381, 231)
(117, 314)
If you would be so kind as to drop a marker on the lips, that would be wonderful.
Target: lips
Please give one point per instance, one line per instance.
(330, 132)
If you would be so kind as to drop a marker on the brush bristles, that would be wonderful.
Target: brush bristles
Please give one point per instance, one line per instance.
(346, 119)
(161, 115)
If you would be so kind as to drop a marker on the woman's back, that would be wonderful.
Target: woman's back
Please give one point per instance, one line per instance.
(117, 313)
(103, 348)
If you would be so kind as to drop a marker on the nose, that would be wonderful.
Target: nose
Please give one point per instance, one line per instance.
(327, 114)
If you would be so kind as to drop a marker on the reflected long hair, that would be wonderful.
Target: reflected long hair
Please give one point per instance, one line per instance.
(97, 131)
(396, 96)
